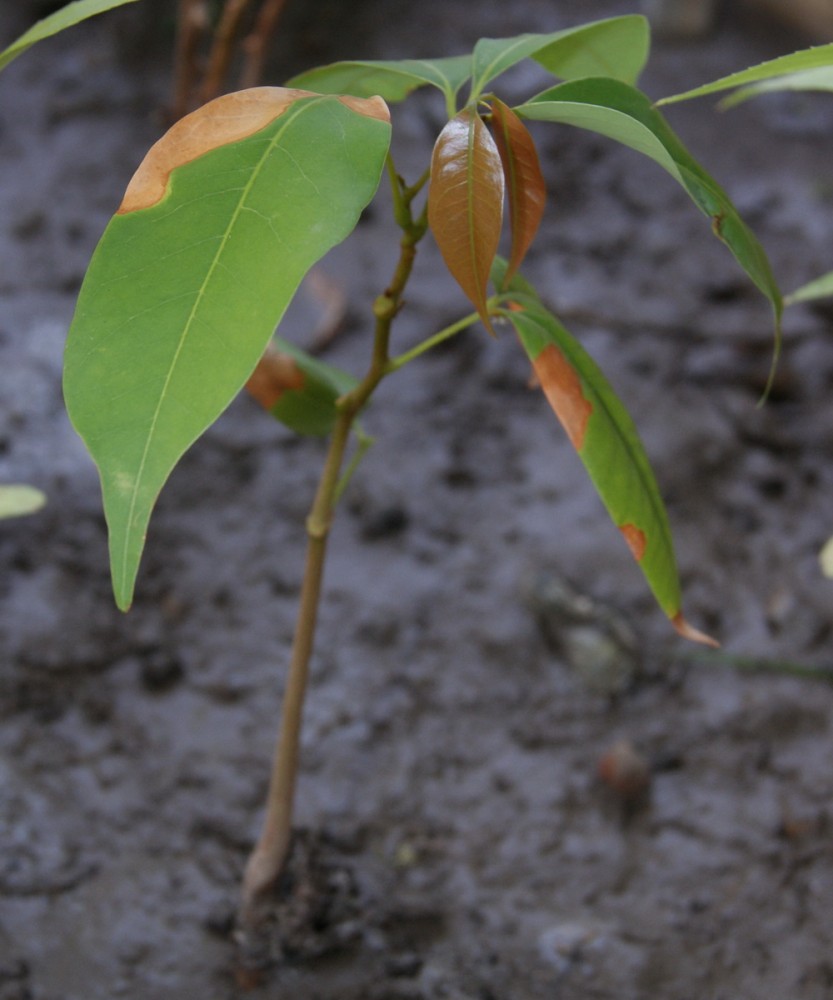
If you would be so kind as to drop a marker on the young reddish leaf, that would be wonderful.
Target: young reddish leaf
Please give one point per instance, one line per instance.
(525, 183)
(607, 442)
(465, 204)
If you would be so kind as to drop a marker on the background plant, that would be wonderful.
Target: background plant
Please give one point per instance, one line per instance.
(808, 69)
(238, 201)
(18, 499)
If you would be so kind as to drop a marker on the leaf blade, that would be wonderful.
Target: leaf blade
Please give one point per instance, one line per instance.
(624, 114)
(525, 184)
(465, 204)
(297, 389)
(183, 293)
(819, 288)
(18, 500)
(605, 438)
(393, 80)
(66, 17)
(804, 59)
(616, 47)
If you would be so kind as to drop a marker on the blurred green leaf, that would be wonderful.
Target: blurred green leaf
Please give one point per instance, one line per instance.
(820, 288)
(18, 499)
(805, 59)
(298, 389)
(66, 17)
(616, 47)
(820, 79)
(392, 80)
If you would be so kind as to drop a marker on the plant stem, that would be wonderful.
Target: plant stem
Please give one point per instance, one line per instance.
(269, 856)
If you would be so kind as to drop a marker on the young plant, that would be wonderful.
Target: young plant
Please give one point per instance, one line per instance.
(232, 207)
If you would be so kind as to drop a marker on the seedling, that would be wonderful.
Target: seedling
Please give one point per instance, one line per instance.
(235, 204)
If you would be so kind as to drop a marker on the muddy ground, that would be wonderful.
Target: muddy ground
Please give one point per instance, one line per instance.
(460, 843)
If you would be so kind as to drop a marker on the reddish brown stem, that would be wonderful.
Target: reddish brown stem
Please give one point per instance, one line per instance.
(222, 48)
(192, 23)
(257, 41)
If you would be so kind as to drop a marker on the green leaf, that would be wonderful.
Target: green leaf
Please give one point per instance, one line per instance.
(820, 288)
(820, 55)
(608, 444)
(392, 80)
(219, 225)
(620, 112)
(616, 47)
(66, 17)
(17, 500)
(465, 204)
(820, 79)
(297, 389)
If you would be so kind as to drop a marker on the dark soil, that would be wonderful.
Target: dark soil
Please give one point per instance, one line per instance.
(459, 842)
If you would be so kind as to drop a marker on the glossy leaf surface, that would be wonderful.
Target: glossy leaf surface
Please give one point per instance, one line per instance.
(820, 288)
(66, 17)
(796, 62)
(392, 80)
(17, 499)
(218, 226)
(297, 389)
(525, 185)
(608, 444)
(616, 47)
(465, 203)
(622, 113)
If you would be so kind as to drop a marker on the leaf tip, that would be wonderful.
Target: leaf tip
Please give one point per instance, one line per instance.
(370, 107)
(694, 634)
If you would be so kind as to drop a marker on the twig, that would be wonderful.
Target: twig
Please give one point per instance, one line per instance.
(256, 42)
(192, 22)
(222, 48)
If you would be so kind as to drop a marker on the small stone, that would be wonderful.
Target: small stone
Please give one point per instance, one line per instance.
(625, 771)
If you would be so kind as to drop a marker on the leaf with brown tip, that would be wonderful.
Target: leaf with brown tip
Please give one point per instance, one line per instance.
(465, 204)
(525, 185)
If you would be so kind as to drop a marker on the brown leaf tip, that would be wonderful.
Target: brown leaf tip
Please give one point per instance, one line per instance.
(635, 537)
(562, 387)
(275, 374)
(689, 632)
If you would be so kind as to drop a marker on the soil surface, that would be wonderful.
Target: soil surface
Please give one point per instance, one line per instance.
(485, 638)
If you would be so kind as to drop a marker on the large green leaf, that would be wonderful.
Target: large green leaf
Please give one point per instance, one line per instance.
(608, 444)
(391, 79)
(796, 62)
(622, 113)
(66, 17)
(218, 227)
(616, 47)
